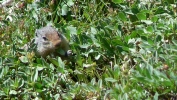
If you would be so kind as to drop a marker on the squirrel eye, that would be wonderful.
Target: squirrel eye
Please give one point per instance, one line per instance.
(44, 38)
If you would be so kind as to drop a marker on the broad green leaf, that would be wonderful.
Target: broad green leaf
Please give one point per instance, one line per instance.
(57, 97)
(117, 1)
(2, 93)
(38, 85)
(2, 72)
(87, 16)
(34, 13)
(93, 81)
(148, 22)
(170, 1)
(40, 68)
(167, 82)
(89, 65)
(106, 44)
(156, 96)
(60, 62)
(93, 30)
(39, 90)
(1, 62)
(97, 57)
(150, 29)
(21, 83)
(52, 66)
(116, 71)
(100, 83)
(53, 61)
(122, 16)
(160, 10)
(29, 1)
(35, 75)
(149, 72)
(13, 92)
(64, 10)
(141, 16)
(110, 79)
(72, 30)
(23, 59)
(158, 38)
(154, 19)
(85, 46)
(133, 34)
(70, 3)
(122, 48)
(131, 41)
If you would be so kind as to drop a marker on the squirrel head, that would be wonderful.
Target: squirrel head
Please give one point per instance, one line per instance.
(48, 40)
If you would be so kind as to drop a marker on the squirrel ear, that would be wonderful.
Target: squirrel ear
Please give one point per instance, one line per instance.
(36, 33)
(59, 34)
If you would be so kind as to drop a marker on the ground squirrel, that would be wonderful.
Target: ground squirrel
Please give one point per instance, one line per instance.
(49, 41)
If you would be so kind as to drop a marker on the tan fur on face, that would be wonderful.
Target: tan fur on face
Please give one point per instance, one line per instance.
(54, 39)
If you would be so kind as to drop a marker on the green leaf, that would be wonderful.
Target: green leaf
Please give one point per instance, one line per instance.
(35, 15)
(85, 46)
(117, 1)
(158, 38)
(38, 85)
(23, 59)
(154, 19)
(156, 96)
(35, 75)
(89, 65)
(53, 61)
(13, 92)
(141, 16)
(93, 30)
(160, 10)
(122, 16)
(61, 65)
(167, 83)
(39, 90)
(116, 71)
(72, 30)
(122, 48)
(97, 57)
(133, 34)
(2, 93)
(70, 3)
(2, 72)
(150, 29)
(64, 10)
(100, 83)
(106, 44)
(171, 1)
(110, 79)
(148, 22)
(57, 97)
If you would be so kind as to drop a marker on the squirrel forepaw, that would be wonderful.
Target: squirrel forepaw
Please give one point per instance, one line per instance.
(69, 53)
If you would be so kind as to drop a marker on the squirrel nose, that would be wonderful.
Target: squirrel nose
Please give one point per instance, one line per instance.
(56, 43)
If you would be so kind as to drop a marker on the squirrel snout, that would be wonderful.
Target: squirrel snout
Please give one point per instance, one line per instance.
(56, 43)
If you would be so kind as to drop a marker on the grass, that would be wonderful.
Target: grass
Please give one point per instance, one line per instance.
(124, 50)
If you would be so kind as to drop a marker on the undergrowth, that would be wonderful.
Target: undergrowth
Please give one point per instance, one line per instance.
(123, 50)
